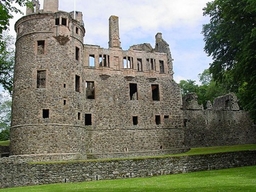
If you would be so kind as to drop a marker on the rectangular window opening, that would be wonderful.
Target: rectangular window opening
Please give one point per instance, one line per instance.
(90, 93)
(77, 53)
(57, 21)
(45, 113)
(155, 92)
(135, 120)
(88, 119)
(64, 21)
(77, 30)
(161, 65)
(64, 102)
(91, 61)
(124, 62)
(133, 91)
(77, 83)
(78, 115)
(158, 119)
(40, 47)
(41, 79)
(166, 116)
(139, 64)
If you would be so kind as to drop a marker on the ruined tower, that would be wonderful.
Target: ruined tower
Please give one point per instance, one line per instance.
(47, 83)
(72, 99)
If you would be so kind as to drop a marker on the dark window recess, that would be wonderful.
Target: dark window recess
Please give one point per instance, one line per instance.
(88, 119)
(64, 85)
(41, 79)
(77, 83)
(155, 92)
(90, 94)
(64, 21)
(64, 102)
(77, 30)
(158, 119)
(57, 21)
(139, 64)
(40, 47)
(161, 65)
(104, 60)
(135, 120)
(77, 53)
(133, 91)
(78, 116)
(166, 116)
(45, 113)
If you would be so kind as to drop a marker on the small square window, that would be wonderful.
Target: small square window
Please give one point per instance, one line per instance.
(45, 113)
(64, 21)
(135, 120)
(158, 119)
(57, 21)
(88, 119)
(40, 47)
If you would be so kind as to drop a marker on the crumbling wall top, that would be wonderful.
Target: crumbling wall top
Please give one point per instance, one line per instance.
(226, 102)
(190, 102)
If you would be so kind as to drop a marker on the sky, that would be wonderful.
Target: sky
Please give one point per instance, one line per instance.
(179, 21)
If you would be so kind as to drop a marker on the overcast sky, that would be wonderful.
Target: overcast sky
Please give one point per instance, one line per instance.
(179, 21)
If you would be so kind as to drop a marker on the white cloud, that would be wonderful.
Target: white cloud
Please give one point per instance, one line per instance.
(180, 22)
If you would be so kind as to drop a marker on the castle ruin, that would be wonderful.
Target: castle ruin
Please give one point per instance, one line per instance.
(74, 100)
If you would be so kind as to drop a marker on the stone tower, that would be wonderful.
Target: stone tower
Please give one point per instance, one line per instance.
(47, 83)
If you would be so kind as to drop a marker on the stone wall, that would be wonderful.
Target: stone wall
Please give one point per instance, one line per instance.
(16, 172)
(220, 124)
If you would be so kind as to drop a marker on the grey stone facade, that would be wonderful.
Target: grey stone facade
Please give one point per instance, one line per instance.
(73, 98)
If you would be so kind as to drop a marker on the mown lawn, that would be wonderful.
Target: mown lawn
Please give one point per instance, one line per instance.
(226, 180)
(4, 143)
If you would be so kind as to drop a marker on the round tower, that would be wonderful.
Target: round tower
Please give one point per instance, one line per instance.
(46, 111)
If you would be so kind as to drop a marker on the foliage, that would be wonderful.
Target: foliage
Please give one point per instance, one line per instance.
(5, 119)
(230, 38)
(7, 8)
(234, 179)
(6, 62)
(207, 91)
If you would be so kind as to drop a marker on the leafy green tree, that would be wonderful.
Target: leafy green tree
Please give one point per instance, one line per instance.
(6, 62)
(188, 86)
(7, 9)
(5, 118)
(230, 38)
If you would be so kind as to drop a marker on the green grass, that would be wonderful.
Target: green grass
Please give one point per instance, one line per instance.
(4, 143)
(218, 149)
(226, 180)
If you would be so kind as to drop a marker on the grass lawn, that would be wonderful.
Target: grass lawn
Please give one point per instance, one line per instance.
(226, 180)
(4, 143)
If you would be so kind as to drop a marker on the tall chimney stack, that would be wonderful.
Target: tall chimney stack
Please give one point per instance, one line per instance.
(114, 39)
(51, 5)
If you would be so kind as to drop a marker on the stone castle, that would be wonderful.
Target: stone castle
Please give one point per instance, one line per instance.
(72, 99)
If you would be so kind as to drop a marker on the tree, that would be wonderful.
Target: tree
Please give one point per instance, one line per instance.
(230, 38)
(5, 118)
(7, 8)
(6, 62)
(188, 86)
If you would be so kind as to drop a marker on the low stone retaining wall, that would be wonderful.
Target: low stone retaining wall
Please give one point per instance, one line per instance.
(16, 172)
